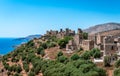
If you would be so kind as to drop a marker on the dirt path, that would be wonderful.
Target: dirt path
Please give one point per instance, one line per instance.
(110, 72)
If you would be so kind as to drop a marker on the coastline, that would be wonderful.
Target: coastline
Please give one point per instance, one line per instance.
(9, 44)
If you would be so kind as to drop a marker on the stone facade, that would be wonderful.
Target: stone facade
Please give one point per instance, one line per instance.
(76, 42)
(92, 37)
(87, 44)
(79, 42)
(99, 39)
(109, 46)
(118, 45)
(71, 46)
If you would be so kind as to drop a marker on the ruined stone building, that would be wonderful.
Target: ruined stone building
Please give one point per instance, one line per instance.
(87, 44)
(78, 39)
(92, 37)
(67, 32)
(62, 33)
(76, 42)
(52, 33)
(117, 41)
(108, 42)
(71, 46)
(109, 46)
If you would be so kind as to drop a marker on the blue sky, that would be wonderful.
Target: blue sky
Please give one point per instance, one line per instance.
(19, 18)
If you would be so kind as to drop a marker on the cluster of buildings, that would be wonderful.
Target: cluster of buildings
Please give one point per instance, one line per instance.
(61, 33)
(79, 42)
(108, 42)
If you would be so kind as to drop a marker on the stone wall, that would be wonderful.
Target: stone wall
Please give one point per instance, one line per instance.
(109, 46)
(110, 49)
(87, 44)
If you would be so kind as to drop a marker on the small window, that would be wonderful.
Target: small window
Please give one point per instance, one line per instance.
(112, 48)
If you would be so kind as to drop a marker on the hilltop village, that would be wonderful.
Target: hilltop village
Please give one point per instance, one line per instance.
(65, 53)
(108, 42)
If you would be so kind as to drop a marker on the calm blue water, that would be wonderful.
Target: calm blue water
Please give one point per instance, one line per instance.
(7, 44)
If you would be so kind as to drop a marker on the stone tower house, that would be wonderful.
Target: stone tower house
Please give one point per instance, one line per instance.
(110, 47)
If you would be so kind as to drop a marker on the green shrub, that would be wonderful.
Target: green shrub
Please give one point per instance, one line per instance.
(86, 55)
(31, 73)
(44, 45)
(26, 67)
(30, 43)
(13, 68)
(75, 57)
(60, 53)
(18, 69)
(62, 42)
(107, 61)
(6, 66)
(23, 57)
(41, 51)
(85, 35)
(10, 69)
(117, 72)
(15, 59)
(62, 59)
(79, 62)
(86, 67)
(95, 52)
(37, 69)
(16, 74)
(100, 71)
(51, 44)
(117, 63)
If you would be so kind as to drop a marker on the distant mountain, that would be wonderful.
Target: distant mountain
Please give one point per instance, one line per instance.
(30, 37)
(102, 28)
(33, 36)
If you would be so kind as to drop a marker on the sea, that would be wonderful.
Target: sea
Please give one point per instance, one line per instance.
(9, 44)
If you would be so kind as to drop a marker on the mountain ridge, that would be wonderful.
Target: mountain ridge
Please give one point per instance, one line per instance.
(103, 27)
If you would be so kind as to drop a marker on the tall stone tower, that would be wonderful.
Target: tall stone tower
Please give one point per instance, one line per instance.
(78, 38)
(79, 31)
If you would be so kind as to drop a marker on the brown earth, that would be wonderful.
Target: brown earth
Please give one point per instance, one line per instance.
(4, 73)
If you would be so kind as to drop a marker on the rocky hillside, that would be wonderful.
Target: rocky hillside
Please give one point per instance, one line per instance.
(46, 56)
(102, 28)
